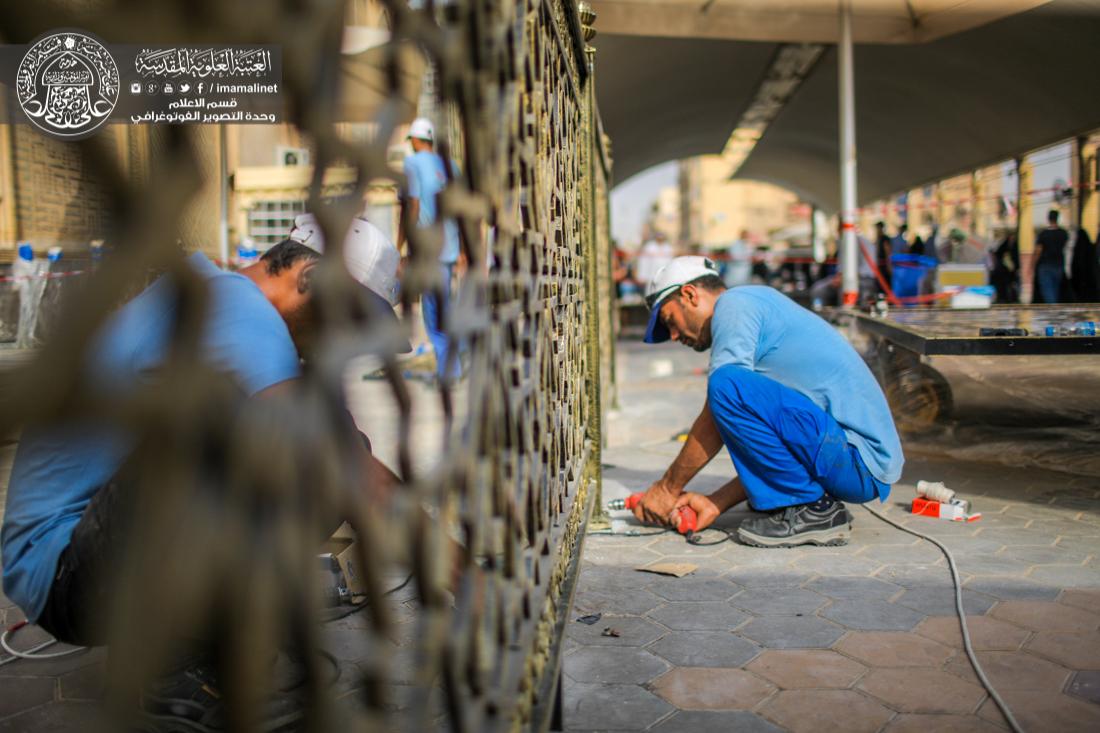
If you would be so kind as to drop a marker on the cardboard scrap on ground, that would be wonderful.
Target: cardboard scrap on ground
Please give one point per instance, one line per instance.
(677, 569)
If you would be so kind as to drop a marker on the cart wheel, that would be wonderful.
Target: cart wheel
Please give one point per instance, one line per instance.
(920, 400)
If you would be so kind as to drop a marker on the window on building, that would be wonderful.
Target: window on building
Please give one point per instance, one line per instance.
(269, 222)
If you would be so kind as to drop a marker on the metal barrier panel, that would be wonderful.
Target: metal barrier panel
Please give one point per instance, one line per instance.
(231, 495)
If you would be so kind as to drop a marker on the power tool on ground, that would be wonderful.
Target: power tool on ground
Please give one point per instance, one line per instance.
(686, 525)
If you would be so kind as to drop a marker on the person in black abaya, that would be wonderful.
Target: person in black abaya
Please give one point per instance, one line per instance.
(1084, 271)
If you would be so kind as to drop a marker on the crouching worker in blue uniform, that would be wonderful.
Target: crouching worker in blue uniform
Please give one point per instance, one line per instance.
(803, 419)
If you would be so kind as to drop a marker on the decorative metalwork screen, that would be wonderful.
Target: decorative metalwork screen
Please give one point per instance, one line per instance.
(231, 493)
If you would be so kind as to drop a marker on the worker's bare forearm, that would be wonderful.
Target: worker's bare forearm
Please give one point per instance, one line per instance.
(702, 444)
(729, 494)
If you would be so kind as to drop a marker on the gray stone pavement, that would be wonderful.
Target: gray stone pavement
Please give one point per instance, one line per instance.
(856, 638)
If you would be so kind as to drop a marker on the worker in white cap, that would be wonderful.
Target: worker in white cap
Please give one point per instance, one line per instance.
(372, 261)
(803, 419)
(426, 177)
(370, 256)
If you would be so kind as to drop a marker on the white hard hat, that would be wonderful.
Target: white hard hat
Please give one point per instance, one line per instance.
(370, 257)
(668, 280)
(422, 129)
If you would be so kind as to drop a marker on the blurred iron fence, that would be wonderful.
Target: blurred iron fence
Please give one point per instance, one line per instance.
(231, 494)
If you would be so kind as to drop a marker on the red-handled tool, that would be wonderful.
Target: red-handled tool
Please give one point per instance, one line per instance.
(688, 519)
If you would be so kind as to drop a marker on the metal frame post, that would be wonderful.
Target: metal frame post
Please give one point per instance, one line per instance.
(223, 197)
(1025, 228)
(849, 254)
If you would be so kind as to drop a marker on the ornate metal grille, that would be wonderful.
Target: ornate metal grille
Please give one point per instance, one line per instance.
(231, 493)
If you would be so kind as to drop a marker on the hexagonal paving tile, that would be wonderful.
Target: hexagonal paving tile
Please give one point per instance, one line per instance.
(915, 576)
(853, 588)
(1067, 576)
(704, 615)
(868, 534)
(1087, 544)
(1062, 527)
(1046, 616)
(760, 578)
(1085, 685)
(999, 521)
(965, 548)
(704, 649)
(710, 688)
(1042, 711)
(792, 632)
(918, 723)
(743, 557)
(806, 668)
(715, 721)
(708, 564)
(24, 693)
(894, 649)
(836, 565)
(671, 544)
(922, 690)
(59, 716)
(625, 602)
(84, 684)
(779, 601)
(613, 665)
(1081, 598)
(1007, 588)
(692, 588)
(610, 576)
(1012, 536)
(817, 711)
(1013, 671)
(633, 631)
(919, 554)
(602, 707)
(1075, 651)
(941, 601)
(983, 564)
(1045, 555)
(617, 553)
(986, 633)
(873, 615)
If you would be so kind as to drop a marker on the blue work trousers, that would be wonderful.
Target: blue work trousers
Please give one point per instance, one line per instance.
(787, 450)
(436, 309)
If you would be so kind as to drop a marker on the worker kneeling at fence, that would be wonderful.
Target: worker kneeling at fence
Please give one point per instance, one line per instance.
(70, 501)
(805, 422)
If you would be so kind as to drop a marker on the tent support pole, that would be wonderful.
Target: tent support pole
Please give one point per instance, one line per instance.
(849, 255)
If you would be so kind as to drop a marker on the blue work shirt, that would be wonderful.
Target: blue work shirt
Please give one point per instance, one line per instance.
(427, 177)
(759, 328)
(59, 468)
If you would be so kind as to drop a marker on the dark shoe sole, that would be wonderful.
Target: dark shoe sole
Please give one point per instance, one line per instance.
(835, 537)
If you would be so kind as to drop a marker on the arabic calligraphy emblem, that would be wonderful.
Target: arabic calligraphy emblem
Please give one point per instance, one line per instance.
(67, 84)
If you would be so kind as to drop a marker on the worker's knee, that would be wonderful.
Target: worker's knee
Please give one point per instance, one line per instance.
(733, 387)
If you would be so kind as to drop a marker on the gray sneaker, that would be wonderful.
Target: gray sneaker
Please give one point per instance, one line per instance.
(798, 525)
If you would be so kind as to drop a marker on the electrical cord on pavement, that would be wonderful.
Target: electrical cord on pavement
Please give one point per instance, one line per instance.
(32, 653)
(967, 646)
(363, 604)
(692, 538)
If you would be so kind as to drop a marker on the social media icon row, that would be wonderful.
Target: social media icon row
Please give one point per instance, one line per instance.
(137, 87)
